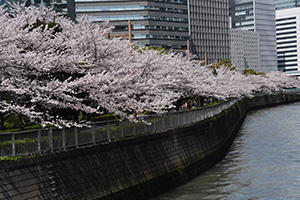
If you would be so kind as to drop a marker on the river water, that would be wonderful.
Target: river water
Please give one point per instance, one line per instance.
(263, 162)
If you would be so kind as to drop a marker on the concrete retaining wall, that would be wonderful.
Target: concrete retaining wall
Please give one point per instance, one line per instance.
(138, 168)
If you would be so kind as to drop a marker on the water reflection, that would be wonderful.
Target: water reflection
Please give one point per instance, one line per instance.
(263, 163)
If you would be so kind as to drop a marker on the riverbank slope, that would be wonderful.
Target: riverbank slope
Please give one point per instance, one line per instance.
(138, 168)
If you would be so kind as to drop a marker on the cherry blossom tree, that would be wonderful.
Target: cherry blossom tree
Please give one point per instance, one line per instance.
(53, 64)
(272, 82)
(51, 69)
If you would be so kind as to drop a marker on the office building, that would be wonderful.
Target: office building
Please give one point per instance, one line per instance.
(163, 23)
(285, 4)
(288, 40)
(209, 29)
(244, 49)
(259, 16)
(168, 23)
(65, 7)
(158, 23)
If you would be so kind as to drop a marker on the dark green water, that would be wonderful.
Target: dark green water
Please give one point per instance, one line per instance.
(263, 163)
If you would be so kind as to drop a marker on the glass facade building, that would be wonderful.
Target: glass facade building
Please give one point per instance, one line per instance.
(284, 4)
(244, 15)
(65, 7)
(157, 23)
(259, 16)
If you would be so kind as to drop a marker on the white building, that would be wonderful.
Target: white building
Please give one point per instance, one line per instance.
(259, 16)
(288, 40)
(244, 49)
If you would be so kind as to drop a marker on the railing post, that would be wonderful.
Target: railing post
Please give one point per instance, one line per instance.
(145, 128)
(93, 134)
(178, 119)
(39, 141)
(50, 140)
(64, 139)
(184, 119)
(76, 137)
(108, 132)
(171, 120)
(13, 143)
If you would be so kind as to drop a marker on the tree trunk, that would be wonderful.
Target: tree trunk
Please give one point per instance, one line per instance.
(20, 123)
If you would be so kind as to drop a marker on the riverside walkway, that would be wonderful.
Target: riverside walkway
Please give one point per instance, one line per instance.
(40, 141)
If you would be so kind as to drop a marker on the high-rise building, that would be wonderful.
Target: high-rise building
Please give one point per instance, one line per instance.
(157, 23)
(284, 4)
(244, 49)
(259, 16)
(209, 29)
(288, 40)
(65, 7)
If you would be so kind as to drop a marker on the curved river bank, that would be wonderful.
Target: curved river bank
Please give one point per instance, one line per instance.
(263, 163)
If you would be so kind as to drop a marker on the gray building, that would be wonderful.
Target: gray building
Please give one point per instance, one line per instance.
(244, 49)
(259, 16)
(209, 29)
(168, 23)
(284, 4)
(157, 23)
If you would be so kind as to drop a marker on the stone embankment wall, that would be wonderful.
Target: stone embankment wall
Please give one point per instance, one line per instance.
(138, 168)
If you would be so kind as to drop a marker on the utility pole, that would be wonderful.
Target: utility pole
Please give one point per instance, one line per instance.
(129, 32)
(215, 63)
(129, 36)
(188, 48)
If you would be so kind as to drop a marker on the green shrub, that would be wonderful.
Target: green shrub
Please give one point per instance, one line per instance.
(11, 122)
(6, 158)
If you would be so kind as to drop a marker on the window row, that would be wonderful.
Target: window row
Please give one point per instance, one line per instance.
(137, 17)
(170, 37)
(126, 8)
(147, 27)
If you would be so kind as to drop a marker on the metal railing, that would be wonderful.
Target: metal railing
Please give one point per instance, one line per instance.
(293, 90)
(39, 141)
